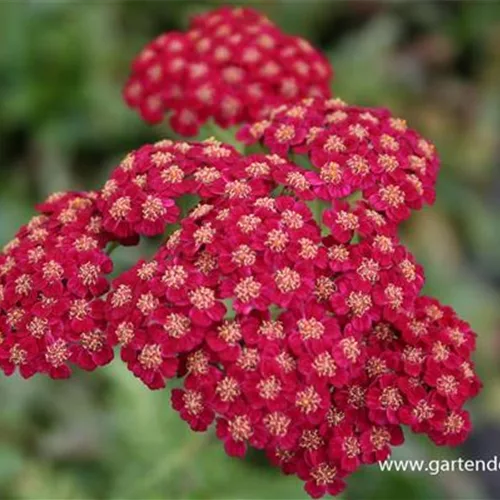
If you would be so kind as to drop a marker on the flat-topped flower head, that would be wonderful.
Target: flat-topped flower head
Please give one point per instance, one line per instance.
(352, 150)
(52, 276)
(283, 303)
(301, 334)
(141, 196)
(288, 351)
(232, 66)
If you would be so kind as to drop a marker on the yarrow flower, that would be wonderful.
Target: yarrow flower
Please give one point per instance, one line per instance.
(232, 65)
(352, 149)
(139, 198)
(295, 331)
(314, 350)
(304, 336)
(52, 275)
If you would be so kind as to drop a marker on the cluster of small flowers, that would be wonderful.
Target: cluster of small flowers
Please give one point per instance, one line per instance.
(303, 336)
(437, 355)
(232, 65)
(351, 149)
(139, 199)
(51, 277)
(314, 348)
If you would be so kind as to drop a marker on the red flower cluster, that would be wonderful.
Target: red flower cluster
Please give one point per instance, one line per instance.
(308, 342)
(437, 356)
(302, 336)
(51, 277)
(232, 65)
(353, 149)
(139, 198)
(313, 348)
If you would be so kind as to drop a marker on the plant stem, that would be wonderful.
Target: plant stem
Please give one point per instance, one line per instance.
(226, 136)
(112, 247)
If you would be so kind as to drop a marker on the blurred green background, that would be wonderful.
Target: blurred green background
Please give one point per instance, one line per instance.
(63, 125)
